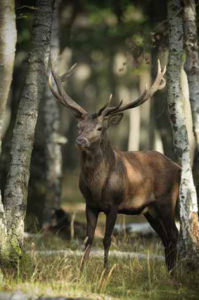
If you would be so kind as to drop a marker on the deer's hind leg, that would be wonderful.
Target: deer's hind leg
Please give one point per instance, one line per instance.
(168, 223)
(158, 228)
(163, 223)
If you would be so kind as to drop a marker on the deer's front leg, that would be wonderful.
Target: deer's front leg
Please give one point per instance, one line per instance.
(91, 216)
(110, 222)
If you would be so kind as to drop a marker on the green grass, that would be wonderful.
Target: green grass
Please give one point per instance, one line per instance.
(127, 278)
(135, 279)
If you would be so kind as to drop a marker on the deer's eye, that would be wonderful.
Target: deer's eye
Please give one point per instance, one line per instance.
(99, 128)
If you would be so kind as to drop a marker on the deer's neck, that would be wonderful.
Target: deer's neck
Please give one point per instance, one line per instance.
(102, 155)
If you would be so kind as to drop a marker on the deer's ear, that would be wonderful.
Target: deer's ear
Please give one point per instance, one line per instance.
(115, 119)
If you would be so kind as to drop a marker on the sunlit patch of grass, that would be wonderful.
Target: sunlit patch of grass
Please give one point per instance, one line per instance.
(127, 279)
(131, 278)
(127, 243)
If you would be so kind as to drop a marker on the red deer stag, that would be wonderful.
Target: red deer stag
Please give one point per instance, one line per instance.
(117, 182)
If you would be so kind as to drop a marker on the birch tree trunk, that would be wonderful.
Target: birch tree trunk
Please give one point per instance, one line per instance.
(46, 165)
(53, 140)
(192, 62)
(15, 194)
(192, 70)
(145, 79)
(187, 194)
(134, 125)
(8, 37)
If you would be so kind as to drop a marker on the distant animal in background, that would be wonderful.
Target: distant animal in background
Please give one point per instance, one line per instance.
(117, 182)
(60, 224)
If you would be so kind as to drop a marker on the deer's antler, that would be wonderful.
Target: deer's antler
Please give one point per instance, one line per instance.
(159, 83)
(61, 94)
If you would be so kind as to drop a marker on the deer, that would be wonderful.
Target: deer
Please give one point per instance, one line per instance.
(118, 182)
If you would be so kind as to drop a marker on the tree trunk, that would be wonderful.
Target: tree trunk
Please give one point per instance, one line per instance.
(134, 125)
(46, 164)
(159, 49)
(15, 194)
(192, 62)
(159, 113)
(53, 141)
(187, 109)
(192, 70)
(187, 194)
(8, 37)
(144, 81)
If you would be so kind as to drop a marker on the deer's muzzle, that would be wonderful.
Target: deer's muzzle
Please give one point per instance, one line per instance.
(82, 142)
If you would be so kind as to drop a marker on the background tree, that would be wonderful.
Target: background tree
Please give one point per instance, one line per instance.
(15, 194)
(187, 194)
(159, 121)
(192, 61)
(53, 139)
(192, 71)
(44, 195)
(8, 36)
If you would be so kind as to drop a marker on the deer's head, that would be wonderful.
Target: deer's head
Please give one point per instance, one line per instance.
(91, 127)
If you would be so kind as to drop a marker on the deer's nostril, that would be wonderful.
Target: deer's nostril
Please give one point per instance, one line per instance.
(78, 141)
(81, 141)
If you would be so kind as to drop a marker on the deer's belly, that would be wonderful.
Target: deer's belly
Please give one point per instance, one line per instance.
(135, 204)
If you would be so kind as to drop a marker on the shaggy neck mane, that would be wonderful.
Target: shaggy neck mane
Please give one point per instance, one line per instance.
(101, 152)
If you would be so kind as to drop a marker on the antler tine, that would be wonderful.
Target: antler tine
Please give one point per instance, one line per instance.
(102, 110)
(61, 94)
(159, 83)
(68, 73)
(111, 109)
(54, 92)
(133, 104)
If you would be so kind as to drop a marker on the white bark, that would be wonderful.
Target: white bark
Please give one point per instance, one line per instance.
(187, 109)
(192, 61)
(4, 251)
(8, 36)
(145, 80)
(134, 126)
(187, 193)
(21, 147)
(53, 153)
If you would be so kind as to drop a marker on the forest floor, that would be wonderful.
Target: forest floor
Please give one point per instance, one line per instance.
(128, 278)
(57, 273)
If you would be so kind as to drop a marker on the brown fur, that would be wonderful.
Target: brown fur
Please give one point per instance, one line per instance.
(144, 182)
(123, 182)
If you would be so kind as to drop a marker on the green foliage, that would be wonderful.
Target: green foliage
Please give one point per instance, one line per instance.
(24, 25)
(104, 32)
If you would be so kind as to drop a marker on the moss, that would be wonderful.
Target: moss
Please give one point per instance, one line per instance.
(25, 266)
(15, 249)
(1, 278)
(21, 268)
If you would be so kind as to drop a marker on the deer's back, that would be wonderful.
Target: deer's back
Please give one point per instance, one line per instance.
(150, 176)
(131, 181)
